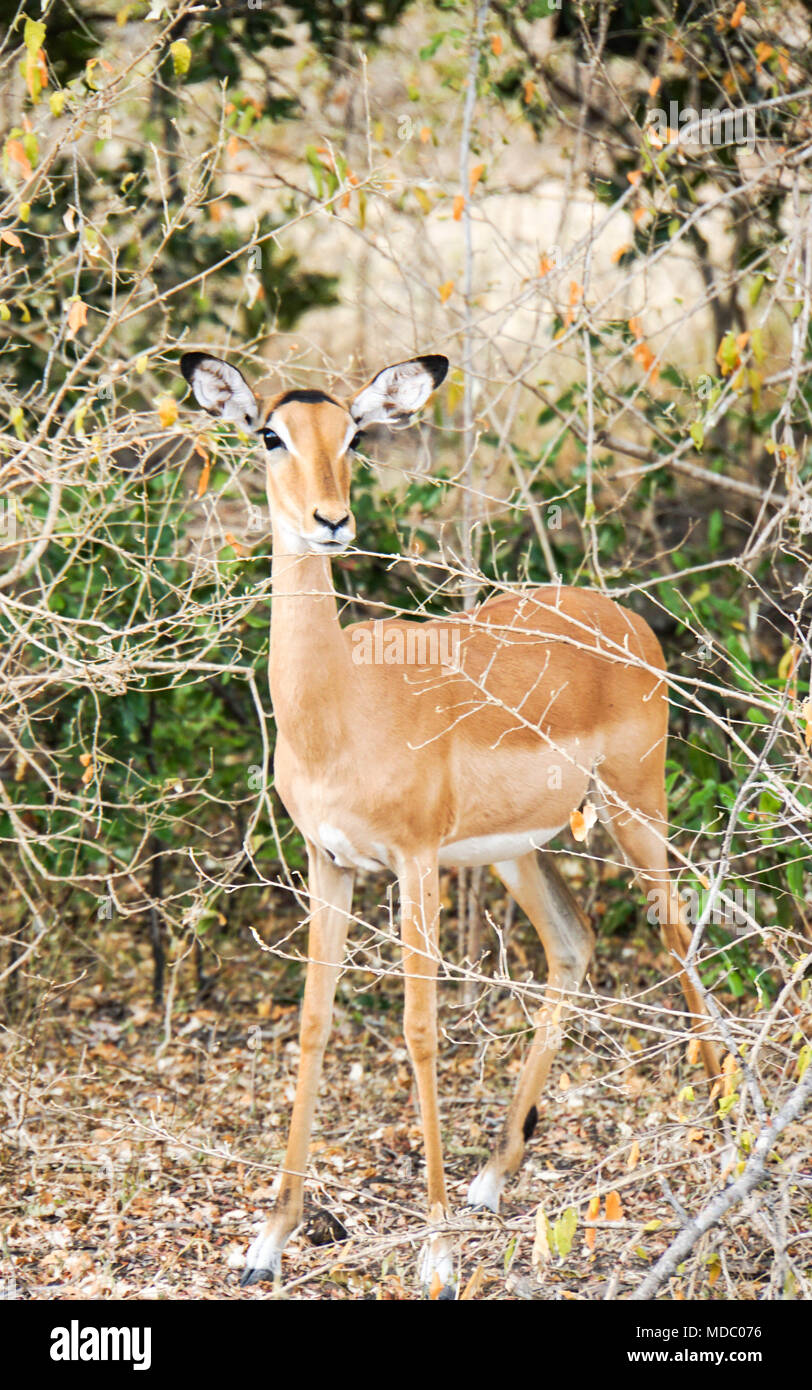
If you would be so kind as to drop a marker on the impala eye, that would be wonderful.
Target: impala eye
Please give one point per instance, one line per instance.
(272, 440)
(356, 439)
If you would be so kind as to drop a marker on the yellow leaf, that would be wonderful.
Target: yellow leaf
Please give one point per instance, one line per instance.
(788, 662)
(423, 198)
(167, 410)
(445, 291)
(181, 57)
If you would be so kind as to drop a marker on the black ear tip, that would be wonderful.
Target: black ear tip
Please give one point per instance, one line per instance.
(189, 362)
(437, 366)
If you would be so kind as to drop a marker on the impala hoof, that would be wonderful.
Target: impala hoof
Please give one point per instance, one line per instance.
(263, 1261)
(257, 1276)
(437, 1273)
(485, 1191)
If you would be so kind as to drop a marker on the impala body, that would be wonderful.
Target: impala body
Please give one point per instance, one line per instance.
(553, 697)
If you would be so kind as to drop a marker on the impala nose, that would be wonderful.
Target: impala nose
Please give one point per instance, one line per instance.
(331, 525)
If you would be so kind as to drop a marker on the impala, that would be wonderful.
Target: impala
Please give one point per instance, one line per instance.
(554, 697)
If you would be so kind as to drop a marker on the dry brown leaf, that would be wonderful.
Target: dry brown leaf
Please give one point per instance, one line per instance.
(474, 1284)
(77, 318)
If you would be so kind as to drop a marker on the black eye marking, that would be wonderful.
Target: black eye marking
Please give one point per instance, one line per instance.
(272, 440)
(356, 439)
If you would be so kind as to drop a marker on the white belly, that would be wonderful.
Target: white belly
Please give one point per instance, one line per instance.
(358, 851)
(491, 849)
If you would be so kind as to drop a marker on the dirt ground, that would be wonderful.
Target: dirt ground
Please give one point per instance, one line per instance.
(136, 1160)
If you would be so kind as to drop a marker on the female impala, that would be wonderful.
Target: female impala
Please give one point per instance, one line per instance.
(554, 695)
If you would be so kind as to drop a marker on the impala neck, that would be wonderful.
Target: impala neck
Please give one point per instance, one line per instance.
(310, 665)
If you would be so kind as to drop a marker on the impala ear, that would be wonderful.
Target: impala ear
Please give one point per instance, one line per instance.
(220, 389)
(394, 396)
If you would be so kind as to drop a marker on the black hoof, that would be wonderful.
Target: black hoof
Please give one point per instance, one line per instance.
(255, 1276)
(447, 1294)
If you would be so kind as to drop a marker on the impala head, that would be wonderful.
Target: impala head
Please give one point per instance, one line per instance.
(309, 437)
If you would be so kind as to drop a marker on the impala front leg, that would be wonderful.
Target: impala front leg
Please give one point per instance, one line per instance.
(330, 891)
(419, 905)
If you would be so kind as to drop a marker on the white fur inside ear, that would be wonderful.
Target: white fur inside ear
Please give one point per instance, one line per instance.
(222, 390)
(393, 396)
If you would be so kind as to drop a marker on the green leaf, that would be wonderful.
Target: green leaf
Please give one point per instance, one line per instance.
(564, 1231)
(33, 36)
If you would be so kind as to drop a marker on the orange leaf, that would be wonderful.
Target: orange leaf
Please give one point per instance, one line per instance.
(474, 177)
(445, 291)
(459, 204)
(545, 266)
(11, 239)
(634, 1156)
(654, 86)
(692, 1052)
(618, 254)
(564, 1082)
(634, 327)
(634, 177)
(496, 43)
(638, 215)
(528, 88)
(738, 15)
(576, 291)
(436, 1285)
(77, 318)
(235, 545)
(425, 134)
(16, 151)
(203, 480)
(582, 822)
(614, 1209)
(592, 1213)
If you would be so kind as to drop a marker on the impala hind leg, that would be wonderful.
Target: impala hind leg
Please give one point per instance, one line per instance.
(419, 906)
(330, 892)
(568, 942)
(642, 841)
